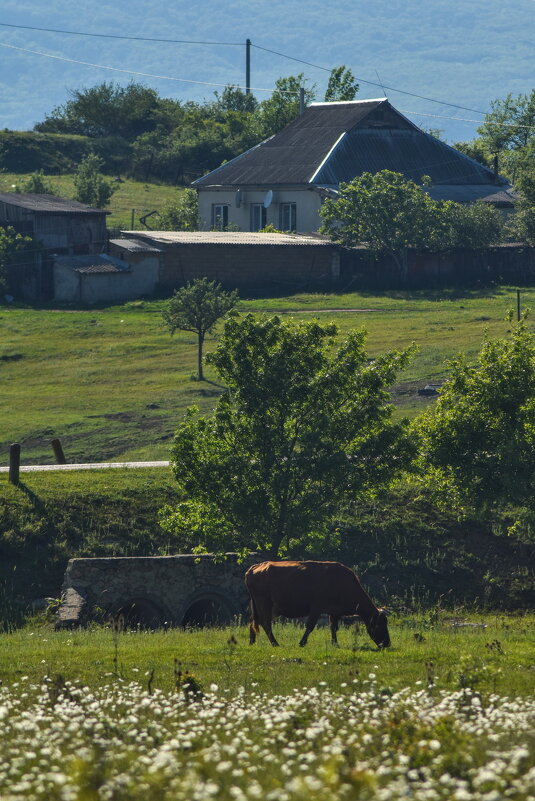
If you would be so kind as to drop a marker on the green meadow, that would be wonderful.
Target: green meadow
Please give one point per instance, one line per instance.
(488, 652)
(112, 383)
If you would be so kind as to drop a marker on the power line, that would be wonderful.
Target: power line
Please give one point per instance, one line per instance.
(117, 36)
(234, 44)
(371, 83)
(133, 72)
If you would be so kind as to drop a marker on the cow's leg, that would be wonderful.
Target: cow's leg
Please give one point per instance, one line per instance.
(311, 622)
(264, 616)
(334, 628)
(267, 628)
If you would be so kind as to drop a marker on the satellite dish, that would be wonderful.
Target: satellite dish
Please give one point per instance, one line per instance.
(238, 198)
(268, 198)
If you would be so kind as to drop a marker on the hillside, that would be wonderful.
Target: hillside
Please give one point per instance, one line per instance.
(462, 53)
(112, 384)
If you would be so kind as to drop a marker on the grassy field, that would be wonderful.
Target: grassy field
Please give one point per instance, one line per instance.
(494, 653)
(141, 198)
(112, 384)
(444, 715)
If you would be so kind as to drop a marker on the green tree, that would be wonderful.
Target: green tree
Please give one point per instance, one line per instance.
(106, 110)
(283, 105)
(36, 184)
(91, 186)
(342, 85)
(197, 307)
(302, 431)
(388, 213)
(480, 435)
(183, 214)
(13, 247)
(475, 225)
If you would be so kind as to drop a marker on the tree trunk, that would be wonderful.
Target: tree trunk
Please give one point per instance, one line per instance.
(200, 374)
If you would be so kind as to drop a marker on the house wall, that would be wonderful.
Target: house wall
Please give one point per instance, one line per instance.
(251, 268)
(307, 203)
(72, 286)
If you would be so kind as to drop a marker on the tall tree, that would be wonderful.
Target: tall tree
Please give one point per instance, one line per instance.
(302, 430)
(342, 85)
(197, 307)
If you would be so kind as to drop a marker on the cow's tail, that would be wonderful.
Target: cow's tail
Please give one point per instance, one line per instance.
(254, 628)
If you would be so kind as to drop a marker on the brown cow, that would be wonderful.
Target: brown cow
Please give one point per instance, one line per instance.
(309, 589)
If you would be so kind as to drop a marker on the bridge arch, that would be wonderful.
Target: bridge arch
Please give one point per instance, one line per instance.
(208, 606)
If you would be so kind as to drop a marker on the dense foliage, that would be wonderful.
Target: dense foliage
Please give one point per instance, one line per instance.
(391, 213)
(480, 435)
(91, 186)
(301, 432)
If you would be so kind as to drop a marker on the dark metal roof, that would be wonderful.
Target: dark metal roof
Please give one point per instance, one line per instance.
(335, 142)
(48, 204)
(469, 193)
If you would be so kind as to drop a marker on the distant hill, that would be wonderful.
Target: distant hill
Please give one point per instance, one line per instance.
(465, 53)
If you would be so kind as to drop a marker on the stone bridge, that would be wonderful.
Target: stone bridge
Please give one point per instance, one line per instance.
(151, 591)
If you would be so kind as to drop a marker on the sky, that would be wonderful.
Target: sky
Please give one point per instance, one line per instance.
(464, 53)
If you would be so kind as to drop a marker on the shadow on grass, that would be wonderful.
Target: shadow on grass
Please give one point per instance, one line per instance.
(34, 499)
(437, 294)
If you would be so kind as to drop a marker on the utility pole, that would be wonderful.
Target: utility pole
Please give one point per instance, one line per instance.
(247, 66)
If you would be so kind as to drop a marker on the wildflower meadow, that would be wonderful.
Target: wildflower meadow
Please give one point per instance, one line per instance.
(446, 713)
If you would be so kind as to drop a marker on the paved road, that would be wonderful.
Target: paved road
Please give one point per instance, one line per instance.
(93, 466)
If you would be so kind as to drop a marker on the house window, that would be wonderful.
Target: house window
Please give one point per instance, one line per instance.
(258, 216)
(219, 216)
(287, 217)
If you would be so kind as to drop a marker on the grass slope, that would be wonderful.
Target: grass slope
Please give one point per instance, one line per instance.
(112, 384)
(131, 196)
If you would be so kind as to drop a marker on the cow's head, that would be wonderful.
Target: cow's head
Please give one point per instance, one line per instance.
(377, 628)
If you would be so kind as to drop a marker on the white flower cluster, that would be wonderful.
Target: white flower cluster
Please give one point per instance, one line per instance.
(121, 743)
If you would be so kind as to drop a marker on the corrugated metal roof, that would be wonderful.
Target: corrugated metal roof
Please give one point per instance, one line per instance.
(135, 246)
(228, 238)
(48, 204)
(469, 193)
(99, 264)
(334, 142)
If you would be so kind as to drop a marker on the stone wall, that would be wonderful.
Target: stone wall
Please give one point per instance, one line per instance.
(184, 590)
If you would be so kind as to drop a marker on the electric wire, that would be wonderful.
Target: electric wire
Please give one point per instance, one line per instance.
(119, 36)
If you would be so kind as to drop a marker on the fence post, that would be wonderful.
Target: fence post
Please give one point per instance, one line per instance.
(58, 451)
(14, 463)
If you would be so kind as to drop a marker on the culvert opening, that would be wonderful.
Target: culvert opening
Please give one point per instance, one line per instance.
(206, 612)
(140, 613)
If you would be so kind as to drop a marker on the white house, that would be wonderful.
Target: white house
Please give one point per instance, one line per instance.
(284, 179)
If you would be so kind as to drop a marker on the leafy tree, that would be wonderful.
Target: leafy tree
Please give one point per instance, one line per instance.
(13, 246)
(183, 214)
(36, 184)
(91, 187)
(197, 307)
(301, 432)
(388, 213)
(283, 105)
(342, 85)
(106, 110)
(475, 225)
(521, 225)
(232, 98)
(480, 435)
